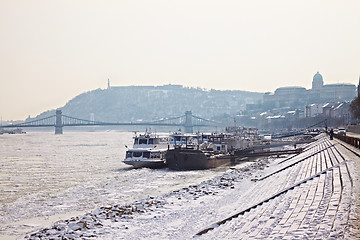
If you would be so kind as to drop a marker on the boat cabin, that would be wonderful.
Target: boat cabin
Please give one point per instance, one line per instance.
(149, 141)
(218, 143)
(184, 140)
(149, 154)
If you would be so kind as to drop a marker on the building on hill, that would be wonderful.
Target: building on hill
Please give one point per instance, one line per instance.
(331, 92)
(285, 97)
(319, 93)
(338, 92)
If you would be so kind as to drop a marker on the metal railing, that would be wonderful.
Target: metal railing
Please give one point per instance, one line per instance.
(350, 140)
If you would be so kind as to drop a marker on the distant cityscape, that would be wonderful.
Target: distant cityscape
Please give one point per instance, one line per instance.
(287, 107)
(299, 107)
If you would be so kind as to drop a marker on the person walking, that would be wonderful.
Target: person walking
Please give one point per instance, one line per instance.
(331, 134)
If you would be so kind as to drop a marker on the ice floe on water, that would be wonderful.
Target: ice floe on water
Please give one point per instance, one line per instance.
(45, 178)
(177, 214)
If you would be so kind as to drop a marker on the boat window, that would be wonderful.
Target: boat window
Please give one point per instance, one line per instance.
(136, 141)
(137, 154)
(146, 154)
(142, 141)
(218, 148)
(155, 155)
(151, 141)
(128, 154)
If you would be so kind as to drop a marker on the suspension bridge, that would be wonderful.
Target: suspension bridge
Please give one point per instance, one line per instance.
(188, 121)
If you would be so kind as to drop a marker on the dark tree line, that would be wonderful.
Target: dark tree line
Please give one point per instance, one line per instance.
(355, 108)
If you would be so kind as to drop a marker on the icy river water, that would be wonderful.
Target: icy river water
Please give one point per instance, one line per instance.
(46, 177)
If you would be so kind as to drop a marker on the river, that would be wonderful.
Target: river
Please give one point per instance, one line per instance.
(46, 177)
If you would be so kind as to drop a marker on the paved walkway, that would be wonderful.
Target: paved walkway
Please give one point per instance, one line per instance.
(314, 195)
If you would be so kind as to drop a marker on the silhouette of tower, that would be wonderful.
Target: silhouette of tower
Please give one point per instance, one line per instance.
(108, 84)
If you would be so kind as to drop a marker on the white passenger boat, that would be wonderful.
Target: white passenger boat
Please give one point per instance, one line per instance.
(148, 151)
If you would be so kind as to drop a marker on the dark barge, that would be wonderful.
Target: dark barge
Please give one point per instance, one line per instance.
(195, 159)
(199, 152)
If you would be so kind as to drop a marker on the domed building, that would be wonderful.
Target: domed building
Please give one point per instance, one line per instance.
(321, 93)
(294, 97)
(317, 82)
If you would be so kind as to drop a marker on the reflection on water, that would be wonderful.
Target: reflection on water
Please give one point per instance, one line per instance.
(44, 176)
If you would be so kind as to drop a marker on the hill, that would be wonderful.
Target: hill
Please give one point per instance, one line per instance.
(131, 103)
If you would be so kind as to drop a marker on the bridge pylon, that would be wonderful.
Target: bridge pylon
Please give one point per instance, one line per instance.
(58, 123)
(188, 122)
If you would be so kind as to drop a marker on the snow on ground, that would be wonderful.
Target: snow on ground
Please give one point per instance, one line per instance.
(175, 215)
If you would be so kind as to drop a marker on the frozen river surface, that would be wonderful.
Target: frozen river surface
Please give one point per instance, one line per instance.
(46, 177)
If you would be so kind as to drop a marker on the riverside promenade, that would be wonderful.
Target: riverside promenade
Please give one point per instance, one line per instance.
(316, 197)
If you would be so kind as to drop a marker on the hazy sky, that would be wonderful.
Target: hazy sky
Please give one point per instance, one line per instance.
(50, 51)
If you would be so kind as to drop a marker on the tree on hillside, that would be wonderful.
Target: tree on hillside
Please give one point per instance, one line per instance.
(355, 108)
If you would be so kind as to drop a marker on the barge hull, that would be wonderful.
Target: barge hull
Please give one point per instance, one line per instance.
(191, 159)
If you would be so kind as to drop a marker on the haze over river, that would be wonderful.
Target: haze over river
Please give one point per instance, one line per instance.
(46, 177)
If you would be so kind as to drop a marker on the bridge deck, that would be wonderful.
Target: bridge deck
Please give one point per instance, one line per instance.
(188, 121)
(312, 196)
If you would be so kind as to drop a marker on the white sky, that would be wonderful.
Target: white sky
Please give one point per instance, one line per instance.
(50, 51)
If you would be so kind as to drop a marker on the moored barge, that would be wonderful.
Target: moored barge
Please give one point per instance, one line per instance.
(204, 152)
(195, 159)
